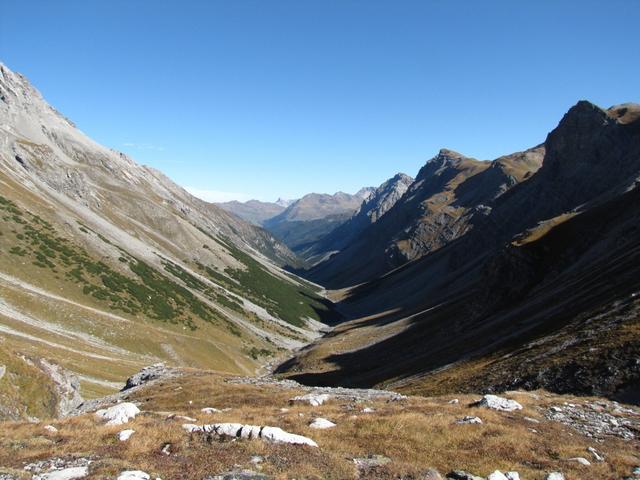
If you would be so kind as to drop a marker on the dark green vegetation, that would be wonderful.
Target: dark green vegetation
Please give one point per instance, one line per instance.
(292, 303)
(147, 292)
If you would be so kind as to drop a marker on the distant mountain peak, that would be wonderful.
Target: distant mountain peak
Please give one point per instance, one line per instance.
(365, 193)
(283, 202)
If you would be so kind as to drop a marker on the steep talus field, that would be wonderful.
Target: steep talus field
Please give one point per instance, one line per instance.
(543, 290)
(107, 265)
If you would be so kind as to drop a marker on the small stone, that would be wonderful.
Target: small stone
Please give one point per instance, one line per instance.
(371, 461)
(532, 420)
(368, 410)
(256, 459)
(210, 410)
(469, 419)
(596, 455)
(454, 401)
(50, 428)
(321, 423)
(124, 435)
(133, 475)
(581, 461)
(284, 410)
(166, 449)
(173, 416)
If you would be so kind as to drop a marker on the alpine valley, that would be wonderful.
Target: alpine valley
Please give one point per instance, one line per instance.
(481, 317)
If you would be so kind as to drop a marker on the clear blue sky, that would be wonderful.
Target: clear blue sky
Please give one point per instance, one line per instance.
(279, 98)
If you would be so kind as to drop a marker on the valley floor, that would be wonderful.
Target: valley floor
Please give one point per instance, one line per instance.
(377, 435)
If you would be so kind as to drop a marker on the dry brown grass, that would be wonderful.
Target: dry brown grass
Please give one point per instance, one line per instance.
(416, 434)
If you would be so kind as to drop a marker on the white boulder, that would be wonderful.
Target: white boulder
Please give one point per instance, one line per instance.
(313, 399)
(118, 414)
(71, 473)
(134, 475)
(554, 476)
(581, 461)
(499, 403)
(512, 475)
(238, 430)
(497, 475)
(124, 435)
(321, 423)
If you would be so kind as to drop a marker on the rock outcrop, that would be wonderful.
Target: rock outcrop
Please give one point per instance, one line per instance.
(498, 403)
(118, 414)
(238, 430)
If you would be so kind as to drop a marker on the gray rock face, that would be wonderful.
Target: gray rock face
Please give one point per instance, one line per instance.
(148, 374)
(67, 386)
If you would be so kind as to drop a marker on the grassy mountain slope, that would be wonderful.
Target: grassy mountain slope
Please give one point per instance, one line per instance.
(106, 265)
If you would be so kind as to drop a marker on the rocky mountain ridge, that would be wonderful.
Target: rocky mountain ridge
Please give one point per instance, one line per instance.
(539, 289)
